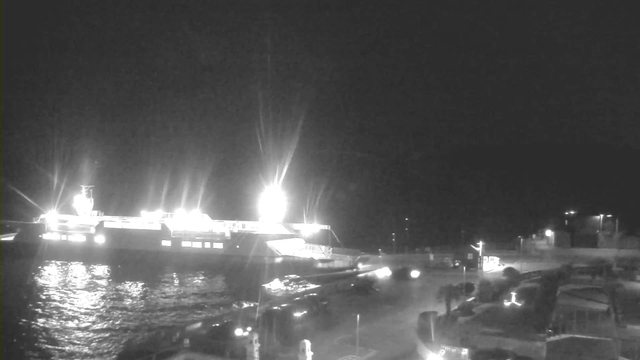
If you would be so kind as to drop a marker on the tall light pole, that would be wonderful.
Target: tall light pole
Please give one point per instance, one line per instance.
(479, 250)
(521, 252)
(393, 239)
(601, 217)
(406, 229)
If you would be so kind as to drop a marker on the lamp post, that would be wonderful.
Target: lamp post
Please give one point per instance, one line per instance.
(570, 228)
(521, 252)
(479, 250)
(600, 227)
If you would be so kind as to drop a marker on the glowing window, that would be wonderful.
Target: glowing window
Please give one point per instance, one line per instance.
(197, 244)
(186, 244)
(217, 245)
(166, 242)
(207, 245)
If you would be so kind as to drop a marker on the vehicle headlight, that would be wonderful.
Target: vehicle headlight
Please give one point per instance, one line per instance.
(99, 239)
(414, 274)
(383, 272)
(239, 332)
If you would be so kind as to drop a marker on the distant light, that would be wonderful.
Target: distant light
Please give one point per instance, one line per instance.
(407, 219)
(99, 239)
(601, 215)
(471, 299)
(272, 204)
(415, 274)
(548, 233)
(249, 328)
(609, 215)
(383, 272)
(299, 313)
(513, 300)
(238, 332)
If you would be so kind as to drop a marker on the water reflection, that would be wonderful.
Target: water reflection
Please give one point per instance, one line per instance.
(76, 310)
(84, 311)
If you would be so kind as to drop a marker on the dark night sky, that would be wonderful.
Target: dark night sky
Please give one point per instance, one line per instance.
(463, 116)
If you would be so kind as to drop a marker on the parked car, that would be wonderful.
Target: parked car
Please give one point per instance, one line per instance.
(223, 336)
(294, 321)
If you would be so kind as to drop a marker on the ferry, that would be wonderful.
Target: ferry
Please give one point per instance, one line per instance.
(182, 233)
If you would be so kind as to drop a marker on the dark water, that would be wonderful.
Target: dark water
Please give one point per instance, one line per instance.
(77, 310)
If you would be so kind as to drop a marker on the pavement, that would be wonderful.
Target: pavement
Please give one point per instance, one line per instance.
(388, 318)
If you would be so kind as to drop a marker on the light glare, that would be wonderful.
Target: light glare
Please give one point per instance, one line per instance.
(383, 272)
(272, 204)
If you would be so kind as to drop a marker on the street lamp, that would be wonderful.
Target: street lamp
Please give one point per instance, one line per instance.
(602, 218)
(521, 252)
(479, 250)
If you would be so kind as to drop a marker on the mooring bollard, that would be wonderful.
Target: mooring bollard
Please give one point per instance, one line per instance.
(305, 350)
(253, 347)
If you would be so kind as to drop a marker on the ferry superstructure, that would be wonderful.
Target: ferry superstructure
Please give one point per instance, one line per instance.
(181, 232)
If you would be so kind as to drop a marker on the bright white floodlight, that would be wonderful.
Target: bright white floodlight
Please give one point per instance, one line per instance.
(272, 204)
(548, 233)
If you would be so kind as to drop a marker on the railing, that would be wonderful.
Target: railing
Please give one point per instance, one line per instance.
(318, 249)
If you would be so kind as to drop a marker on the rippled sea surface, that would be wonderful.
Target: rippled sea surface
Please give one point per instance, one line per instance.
(75, 310)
